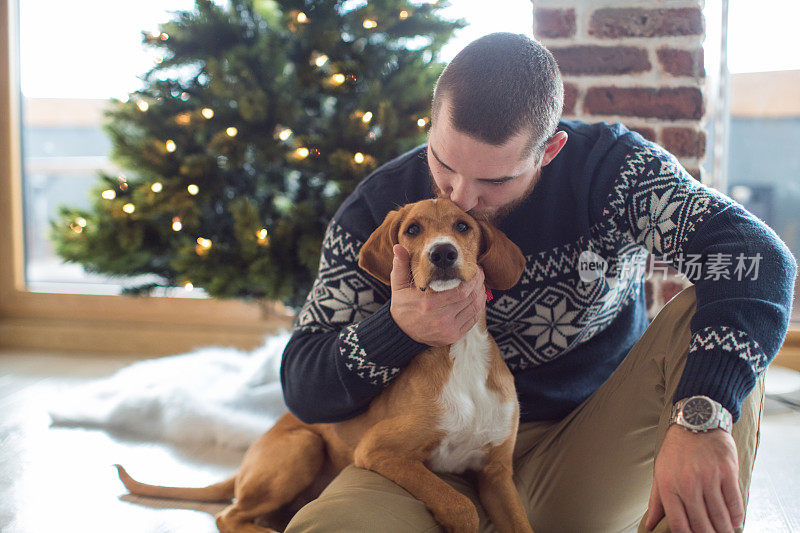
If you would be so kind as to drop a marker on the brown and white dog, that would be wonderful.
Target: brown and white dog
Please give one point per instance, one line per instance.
(453, 408)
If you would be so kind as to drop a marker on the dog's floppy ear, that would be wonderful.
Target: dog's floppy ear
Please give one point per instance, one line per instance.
(376, 256)
(501, 259)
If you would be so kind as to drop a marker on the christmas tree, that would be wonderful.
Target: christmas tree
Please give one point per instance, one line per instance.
(259, 118)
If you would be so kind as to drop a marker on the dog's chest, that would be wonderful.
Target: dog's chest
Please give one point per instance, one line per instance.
(474, 415)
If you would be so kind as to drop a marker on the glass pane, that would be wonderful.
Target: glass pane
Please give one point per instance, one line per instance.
(764, 135)
(99, 55)
(65, 88)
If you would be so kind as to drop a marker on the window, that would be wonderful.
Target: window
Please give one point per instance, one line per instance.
(763, 127)
(65, 89)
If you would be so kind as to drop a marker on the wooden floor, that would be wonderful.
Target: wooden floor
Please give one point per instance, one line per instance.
(62, 479)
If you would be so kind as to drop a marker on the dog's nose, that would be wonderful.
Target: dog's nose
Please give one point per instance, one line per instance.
(443, 255)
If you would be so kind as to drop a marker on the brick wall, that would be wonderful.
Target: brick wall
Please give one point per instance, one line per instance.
(639, 63)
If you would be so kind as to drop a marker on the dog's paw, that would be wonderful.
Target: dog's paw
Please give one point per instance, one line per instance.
(461, 518)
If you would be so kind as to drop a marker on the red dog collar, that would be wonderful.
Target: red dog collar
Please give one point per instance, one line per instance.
(489, 296)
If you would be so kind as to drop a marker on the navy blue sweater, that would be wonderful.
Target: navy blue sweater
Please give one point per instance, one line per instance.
(562, 334)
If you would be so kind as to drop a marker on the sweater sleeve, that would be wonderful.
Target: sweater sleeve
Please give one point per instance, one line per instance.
(743, 273)
(345, 345)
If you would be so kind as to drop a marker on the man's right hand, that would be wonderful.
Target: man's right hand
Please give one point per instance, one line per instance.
(434, 318)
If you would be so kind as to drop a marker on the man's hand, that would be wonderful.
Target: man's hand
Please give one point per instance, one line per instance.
(696, 482)
(434, 318)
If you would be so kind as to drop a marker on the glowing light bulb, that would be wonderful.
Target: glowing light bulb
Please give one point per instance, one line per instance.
(176, 224)
(129, 208)
(205, 243)
(108, 194)
(188, 286)
(359, 157)
(156, 187)
(207, 112)
(302, 18)
(81, 222)
(403, 15)
(170, 146)
(285, 134)
(369, 24)
(142, 105)
(262, 233)
(193, 189)
(337, 79)
(367, 117)
(301, 152)
(163, 36)
(231, 131)
(321, 60)
(421, 122)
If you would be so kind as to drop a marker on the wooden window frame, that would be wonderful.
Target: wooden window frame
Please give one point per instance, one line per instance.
(94, 323)
(118, 324)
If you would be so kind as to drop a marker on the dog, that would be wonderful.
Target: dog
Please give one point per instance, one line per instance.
(459, 405)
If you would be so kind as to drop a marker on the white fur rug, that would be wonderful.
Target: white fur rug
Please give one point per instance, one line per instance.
(215, 396)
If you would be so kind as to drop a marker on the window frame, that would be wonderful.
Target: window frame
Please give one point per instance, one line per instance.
(98, 323)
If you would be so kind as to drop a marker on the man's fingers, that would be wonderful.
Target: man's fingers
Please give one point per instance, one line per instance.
(401, 268)
(718, 511)
(696, 510)
(733, 500)
(675, 512)
(655, 511)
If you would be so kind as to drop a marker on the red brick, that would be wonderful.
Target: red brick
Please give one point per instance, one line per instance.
(553, 23)
(601, 59)
(668, 103)
(682, 62)
(695, 173)
(644, 131)
(570, 97)
(684, 142)
(613, 23)
(670, 288)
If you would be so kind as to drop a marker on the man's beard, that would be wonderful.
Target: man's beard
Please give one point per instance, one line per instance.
(498, 215)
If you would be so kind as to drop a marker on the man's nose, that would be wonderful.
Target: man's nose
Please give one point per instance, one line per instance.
(462, 196)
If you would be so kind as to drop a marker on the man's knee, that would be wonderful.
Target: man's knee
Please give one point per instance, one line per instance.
(360, 500)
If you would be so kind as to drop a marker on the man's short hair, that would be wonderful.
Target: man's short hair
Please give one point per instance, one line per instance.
(499, 85)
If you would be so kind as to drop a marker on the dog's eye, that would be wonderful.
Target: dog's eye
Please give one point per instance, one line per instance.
(462, 227)
(413, 229)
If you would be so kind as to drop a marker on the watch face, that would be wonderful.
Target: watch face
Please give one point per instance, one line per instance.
(698, 411)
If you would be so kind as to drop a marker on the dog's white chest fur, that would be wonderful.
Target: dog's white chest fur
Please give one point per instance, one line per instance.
(473, 414)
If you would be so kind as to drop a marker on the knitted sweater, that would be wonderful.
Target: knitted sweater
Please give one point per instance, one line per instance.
(561, 331)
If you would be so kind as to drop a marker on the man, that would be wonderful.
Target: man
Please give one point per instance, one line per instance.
(606, 428)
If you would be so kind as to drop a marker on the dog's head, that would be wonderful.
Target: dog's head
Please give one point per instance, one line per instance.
(446, 246)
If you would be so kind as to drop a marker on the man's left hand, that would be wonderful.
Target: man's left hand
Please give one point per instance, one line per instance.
(696, 483)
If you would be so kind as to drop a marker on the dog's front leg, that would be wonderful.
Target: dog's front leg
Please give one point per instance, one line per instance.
(383, 451)
(499, 495)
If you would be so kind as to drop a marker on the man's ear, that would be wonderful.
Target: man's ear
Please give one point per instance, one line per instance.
(502, 260)
(376, 255)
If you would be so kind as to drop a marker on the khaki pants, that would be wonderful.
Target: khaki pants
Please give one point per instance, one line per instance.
(591, 471)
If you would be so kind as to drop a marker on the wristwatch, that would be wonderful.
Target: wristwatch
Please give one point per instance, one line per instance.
(700, 414)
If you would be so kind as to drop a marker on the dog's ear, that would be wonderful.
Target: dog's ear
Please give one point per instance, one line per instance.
(376, 256)
(501, 259)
